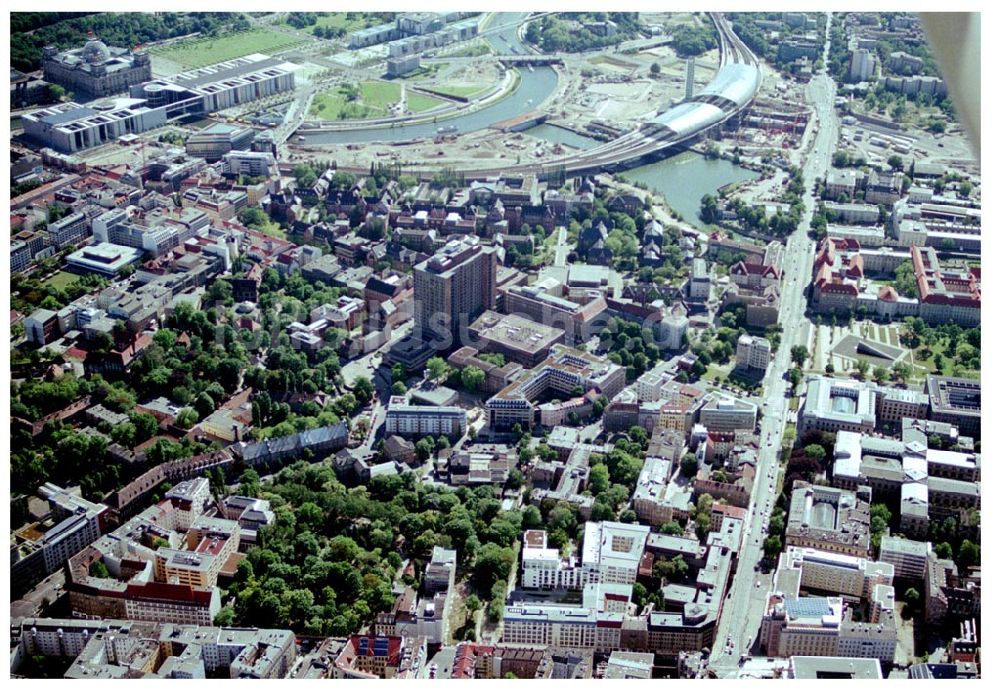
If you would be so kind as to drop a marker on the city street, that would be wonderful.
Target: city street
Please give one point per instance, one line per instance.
(742, 612)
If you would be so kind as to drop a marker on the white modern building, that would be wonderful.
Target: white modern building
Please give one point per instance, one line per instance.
(753, 353)
(834, 573)
(103, 258)
(422, 420)
(834, 404)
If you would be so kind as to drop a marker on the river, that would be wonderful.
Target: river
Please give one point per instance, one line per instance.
(534, 88)
(682, 179)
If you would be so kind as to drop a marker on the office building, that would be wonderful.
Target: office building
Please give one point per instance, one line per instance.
(907, 557)
(725, 413)
(381, 657)
(69, 230)
(452, 288)
(246, 162)
(834, 573)
(834, 668)
(956, 401)
(70, 127)
(862, 65)
(20, 256)
(829, 519)
(103, 258)
(753, 353)
(440, 572)
(566, 371)
(213, 142)
(516, 338)
(550, 303)
(423, 420)
(544, 568)
(834, 405)
(700, 283)
(76, 524)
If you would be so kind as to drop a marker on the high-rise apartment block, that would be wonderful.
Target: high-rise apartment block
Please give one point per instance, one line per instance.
(452, 288)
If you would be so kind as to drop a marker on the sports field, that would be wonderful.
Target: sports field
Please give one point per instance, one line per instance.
(201, 52)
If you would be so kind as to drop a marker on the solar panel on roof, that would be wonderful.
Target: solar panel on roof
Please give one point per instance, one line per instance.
(808, 607)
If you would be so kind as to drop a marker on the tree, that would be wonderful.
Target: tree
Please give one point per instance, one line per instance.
(672, 528)
(795, 377)
(225, 618)
(943, 550)
(600, 480)
(531, 517)
(56, 92)
(816, 452)
(702, 525)
(772, 546)
(398, 372)
(654, 69)
(399, 388)
(912, 597)
(862, 367)
(689, 465)
(99, 570)
(709, 208)
(250, 483)
(880, 374)
(423, 448)
(515, 479)
(305, 176)
(799, 355)
(895, 163)
(254, 216)
(442, 443)
(437, 368)
(829, 368)
(187, 418)
(968, 554)
(364, 390)
(220, 291)
(473, 379)
(493, 564)
(901, 372)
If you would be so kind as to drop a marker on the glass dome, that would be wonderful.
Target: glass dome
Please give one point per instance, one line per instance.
(95, 51)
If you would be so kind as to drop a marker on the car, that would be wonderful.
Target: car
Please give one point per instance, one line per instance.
(758, 584)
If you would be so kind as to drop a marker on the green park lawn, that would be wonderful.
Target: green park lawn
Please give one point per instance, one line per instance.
(379, 95)
(417, 102)
(61, 280)
(201, 52)
(374, 100)
(461, 90)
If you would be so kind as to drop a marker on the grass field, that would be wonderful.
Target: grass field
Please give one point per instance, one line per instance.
(373, 100)
(201, 52)
(461, 90)
(379, 95)
(61, 280)
(417, 102)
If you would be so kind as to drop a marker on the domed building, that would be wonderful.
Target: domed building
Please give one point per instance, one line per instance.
(96, 70)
